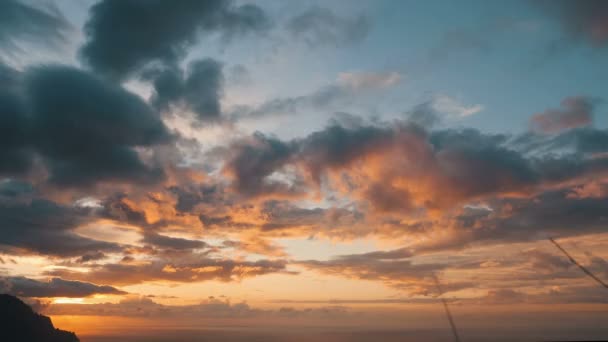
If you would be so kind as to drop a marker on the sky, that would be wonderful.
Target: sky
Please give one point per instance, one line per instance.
(282, 170)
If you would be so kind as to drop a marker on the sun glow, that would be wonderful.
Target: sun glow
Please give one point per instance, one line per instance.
(64, 300)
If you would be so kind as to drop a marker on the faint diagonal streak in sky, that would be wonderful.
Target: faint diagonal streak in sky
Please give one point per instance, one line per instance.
(447, 310)
(583, 268)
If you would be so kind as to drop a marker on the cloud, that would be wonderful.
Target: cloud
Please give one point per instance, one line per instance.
(347, 87)
(585, 21)
(320, 26)
(250, 162)
(552, 213)
(15, 156)
(464, 164)
(90, 257)
(190, 196)
(69, 137)
(583, 142)
(319, 99)
(337, 147)
(124, 36)
(401, 253)
(200, 90)
(47, 228)
(453, 108)
(395, 268)
(20, 21)
(257, 245)
(530, 219)
(257, 218)
(14, 188)
(46, 103)
(504, 296)
(199, 269)
(412, 270)
(403, 274)
(57, 287)
(172, 242)
(404, 167)
(444, 188)
(107, 133)
(576, 112)
(369, 80)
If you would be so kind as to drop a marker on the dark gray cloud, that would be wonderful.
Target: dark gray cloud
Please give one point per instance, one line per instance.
(84, 129)
(47, 228)
(320, 26)
(172, 242)
(476, 163)
(124, 36)
(199, 90)
(14, 188)
(15, 156)
(395, 254)
(190, 196)
(552, 213)
(250, 162)
(56, 287)
(400, 273)
(21, 21)
(585, 21)
(92, 256)
(115, 208)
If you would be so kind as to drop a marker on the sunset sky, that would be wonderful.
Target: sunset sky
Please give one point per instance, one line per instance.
(306, 167)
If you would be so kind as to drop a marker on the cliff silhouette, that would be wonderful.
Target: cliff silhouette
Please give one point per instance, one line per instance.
(19, 323)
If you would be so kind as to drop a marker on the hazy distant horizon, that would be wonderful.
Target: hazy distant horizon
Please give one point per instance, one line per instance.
(499, 323)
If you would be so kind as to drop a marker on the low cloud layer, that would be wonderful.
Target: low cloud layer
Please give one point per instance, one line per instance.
(55, 287)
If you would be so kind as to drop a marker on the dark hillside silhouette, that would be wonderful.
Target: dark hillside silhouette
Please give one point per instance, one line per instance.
(18, 322)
